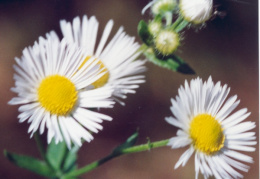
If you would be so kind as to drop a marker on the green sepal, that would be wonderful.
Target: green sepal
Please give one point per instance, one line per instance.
(27, 162)
(56, 153)
(70, 160)
(128, 143)
(144, 33)
(171, 62)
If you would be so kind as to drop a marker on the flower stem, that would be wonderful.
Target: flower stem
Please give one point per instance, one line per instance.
(134, 149)
(177, 22)
(39, 145)
(145, 147)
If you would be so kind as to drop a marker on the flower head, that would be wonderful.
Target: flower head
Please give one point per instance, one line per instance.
(54, 91)
(202, 113)
(167, 41)
(117, 59)
(196, 11)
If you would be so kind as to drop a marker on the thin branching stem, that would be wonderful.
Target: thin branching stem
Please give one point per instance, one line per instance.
(134, 149)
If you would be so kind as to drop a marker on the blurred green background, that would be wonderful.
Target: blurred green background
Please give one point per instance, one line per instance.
(226, 48)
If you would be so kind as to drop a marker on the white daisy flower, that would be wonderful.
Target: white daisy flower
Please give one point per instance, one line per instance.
(118, 58)
(202, 113)
(196, 11)
(52, 91)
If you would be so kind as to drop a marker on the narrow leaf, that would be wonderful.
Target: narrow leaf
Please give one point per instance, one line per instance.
(183, 66)
(171, 62)
(37, 166)
(128, 143)
(144, 33)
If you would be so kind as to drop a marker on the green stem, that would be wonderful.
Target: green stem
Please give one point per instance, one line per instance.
(39, 145)
(177, 22)
(134, 149)
(145, 147)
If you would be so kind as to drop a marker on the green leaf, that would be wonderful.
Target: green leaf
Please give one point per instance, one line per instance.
(70, 160)
(37, 166)
(144, 33)
(183, 66)
(56, 153)
(128, 143)
(171, 62)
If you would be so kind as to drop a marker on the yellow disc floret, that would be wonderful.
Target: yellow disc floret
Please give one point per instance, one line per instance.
(103, 79)
(57, 94)
(207, 134)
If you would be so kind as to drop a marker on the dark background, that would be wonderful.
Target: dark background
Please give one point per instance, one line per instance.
(226, 48)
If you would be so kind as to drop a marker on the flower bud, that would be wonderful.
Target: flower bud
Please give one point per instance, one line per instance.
(167, 41)
(196, 11)
(154, 27)
(162, 6)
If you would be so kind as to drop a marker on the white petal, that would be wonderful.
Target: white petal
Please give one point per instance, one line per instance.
(184, 157)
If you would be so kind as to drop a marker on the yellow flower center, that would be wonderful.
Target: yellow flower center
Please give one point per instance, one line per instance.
(207, 134)
(102, 80)
(57, 94)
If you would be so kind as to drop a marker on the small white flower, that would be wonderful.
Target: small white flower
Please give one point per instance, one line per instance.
(202, 113)
(118, 58)
(52, 91)
(196, 11)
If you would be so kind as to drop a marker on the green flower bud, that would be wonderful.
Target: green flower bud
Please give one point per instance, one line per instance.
(196, 11)
(167, 41)
(154, 27)
(162, 6)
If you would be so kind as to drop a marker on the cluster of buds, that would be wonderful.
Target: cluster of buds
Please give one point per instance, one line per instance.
(162, 34)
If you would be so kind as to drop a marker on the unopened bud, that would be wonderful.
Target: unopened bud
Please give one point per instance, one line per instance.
(162, 6)
(167, 41)
(154, 27)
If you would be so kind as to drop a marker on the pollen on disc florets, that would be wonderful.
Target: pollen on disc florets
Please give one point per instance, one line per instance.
(207, 134)
(57, 94)
(167, 41)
